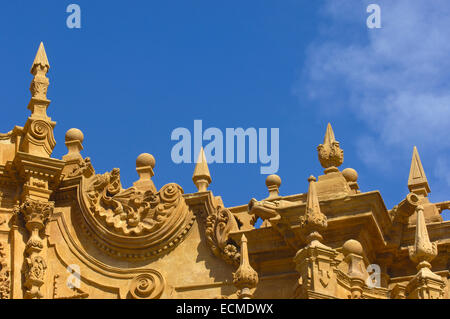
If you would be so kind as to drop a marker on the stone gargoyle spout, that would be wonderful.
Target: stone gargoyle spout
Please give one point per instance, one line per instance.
(268, 210)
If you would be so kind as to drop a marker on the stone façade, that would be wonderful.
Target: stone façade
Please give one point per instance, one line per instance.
(67, 231)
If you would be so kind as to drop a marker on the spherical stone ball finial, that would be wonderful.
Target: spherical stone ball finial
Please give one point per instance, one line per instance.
(74, 134)
(273, 180)
(352, 246)
(350, 174)
(144, 160)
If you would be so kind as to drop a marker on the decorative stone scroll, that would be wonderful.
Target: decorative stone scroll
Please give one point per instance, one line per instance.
(131, 223)
(218, 227)
(149, 285)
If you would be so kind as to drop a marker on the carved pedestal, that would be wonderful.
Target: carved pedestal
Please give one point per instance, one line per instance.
(425, 285)
(316, 263)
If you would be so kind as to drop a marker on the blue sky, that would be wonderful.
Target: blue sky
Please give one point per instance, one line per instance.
(137, 70)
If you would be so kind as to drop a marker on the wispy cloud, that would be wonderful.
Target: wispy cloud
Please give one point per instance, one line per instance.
(395, 79)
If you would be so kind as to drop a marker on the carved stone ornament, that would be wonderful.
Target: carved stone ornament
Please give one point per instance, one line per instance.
(245, 278)
(266, 210)
(5, 273)
(218, 227)
(130, 223)
(423, 251)
(147, 286)
(36, 214)
(39, 139)
(34, 271)
(314, 221)
(425, 284)
(330, 153)
(83, 168)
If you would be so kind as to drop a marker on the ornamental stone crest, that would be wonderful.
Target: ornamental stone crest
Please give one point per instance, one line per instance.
(133, 223)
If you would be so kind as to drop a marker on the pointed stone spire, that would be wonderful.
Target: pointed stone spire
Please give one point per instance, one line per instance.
(312, 202)
(40, 59)
(417, 181)
(40, 82)
(315, 261)
(330, 154)
(245, 278)
(329, 136)
(39, 139)
(201, 177)
(313, 222)
(426, 284)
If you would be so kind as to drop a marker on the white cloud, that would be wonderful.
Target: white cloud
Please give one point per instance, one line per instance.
(395, 79)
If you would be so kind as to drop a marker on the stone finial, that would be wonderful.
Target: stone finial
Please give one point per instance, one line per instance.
(353, 256)
(425, 284)
(74, 143)
(40, 59)
(330, 154)
(313, 222)
(353, 253)
(38, 130)
(273, 183)
(352, 246)
(351, 176)
(423, 251)
(315, 261)
(40, 82)
(417, 181)
(145, 163)
(245, 278)
(201, 177)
